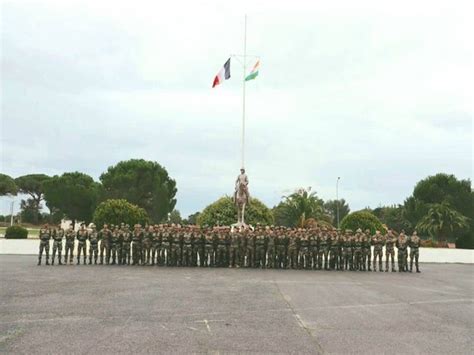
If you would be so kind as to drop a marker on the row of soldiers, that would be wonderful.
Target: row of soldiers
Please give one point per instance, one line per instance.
(264, 247)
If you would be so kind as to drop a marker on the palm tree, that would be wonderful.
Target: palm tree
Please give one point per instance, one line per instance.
(442, 221)
(298, 208)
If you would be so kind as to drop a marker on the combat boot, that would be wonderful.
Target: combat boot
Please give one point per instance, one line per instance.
(47, 261)
(59, 261)
(85, 261)
(52, 261)
(39, 261)
(78, 261)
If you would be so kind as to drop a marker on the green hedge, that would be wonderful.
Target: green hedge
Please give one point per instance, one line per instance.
(16, 232)
(363, 220)
(118, 211)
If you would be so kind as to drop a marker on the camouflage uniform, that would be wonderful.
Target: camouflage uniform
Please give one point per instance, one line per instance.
(58, 235)
(114, 240)
(390, 242)
(282, 250)
(234, 250)
(93, 245)
(333, 251)
(293, 247)
(414, 244)
(365, 242)
(357, 251)
(271, 250)
(137, 237)
(313, 247)
(81, 237)
(378, 242)
(402, 244)
(156, 246)
(126, 241)
(366, 248)
(209, 259)
(69, 247)
(104, 237)
(222, 250)
(303, 252)
(45, 236)
(347, 250)
(187, 248)
(250, 249)
(260, 250)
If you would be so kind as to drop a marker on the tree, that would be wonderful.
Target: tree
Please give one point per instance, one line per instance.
(363, 220)
(175, 217)
(29, 211)
(299, 207)
(394, 218)
(143, 183)
(442, 222)
(192, 218)
(7, 185)
(223, 212)
(118, 211)
(33, 185)
(331, 206)
(74, 194)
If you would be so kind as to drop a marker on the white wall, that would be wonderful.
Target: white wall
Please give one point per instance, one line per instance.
(427, 255)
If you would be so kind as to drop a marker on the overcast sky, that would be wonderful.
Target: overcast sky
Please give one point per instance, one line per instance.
(380, 96)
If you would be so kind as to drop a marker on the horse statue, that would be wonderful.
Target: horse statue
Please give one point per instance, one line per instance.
(241, 199)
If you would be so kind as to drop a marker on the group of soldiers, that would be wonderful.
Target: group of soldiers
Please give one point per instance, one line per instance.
(263, 247)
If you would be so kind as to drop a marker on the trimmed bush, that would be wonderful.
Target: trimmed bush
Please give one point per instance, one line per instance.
(363, 220)
(16, 232)
(224, 213)
(118, 211)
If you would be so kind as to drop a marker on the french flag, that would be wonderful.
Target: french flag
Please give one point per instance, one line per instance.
(223, 74)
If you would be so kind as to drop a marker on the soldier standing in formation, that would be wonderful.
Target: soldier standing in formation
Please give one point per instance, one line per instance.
(265, 247)
(58, 235)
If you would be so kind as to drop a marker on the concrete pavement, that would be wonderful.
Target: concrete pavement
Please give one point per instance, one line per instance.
(125, 309)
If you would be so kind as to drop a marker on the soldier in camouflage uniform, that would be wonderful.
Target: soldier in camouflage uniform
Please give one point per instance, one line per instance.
(69, 247)
(222, 247)
(146, 245)
(390, 242)
(234, 249)
(325, 245)
(104, 237)
(199, 246)
(93, 244)
(271, 249)
(114, 240)
(365, 242)
(208, 248)
(303, 251)
(58, 235)
(333, 250)
(347, 249)
(367, 250)
(357, 247)
(175, 246)
(260, 250)
(313, 247)
(293, 241)
(45, 236)
(402, 244)
(378, 241)
(187, 247)
(414, 244)
(137, 237)
(249, 249)
(81, 237)
(156, 245)
(126, 241)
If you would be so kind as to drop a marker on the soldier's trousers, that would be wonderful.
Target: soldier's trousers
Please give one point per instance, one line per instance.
(112, 254)
(209, 256)
(126, 255)
(155, 254)
(260, 257)
(369, 258)
(320, 259)
(332, 258)
(187, 256)
(293, 258)
(389, 254)
(250, 257)
(234, 256)
(365, 253)
(202, 255)
(68, 251)
(357, 259)
(81, 247)
(104, 250)
(402, 259)
(57, 246)
(378, 254)
(347, 259)
(44, 246)
(221, 257)
(136, 253)
(271, 258)
(282, 258)
(414, 254)
(326, 258)
(146, 254)
(93, 252)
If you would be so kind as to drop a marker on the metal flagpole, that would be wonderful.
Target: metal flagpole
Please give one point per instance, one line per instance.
(243, 96)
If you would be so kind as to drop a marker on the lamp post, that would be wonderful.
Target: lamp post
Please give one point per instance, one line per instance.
(337, 200)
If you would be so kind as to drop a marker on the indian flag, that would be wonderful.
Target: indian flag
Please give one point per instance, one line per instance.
(253, 74)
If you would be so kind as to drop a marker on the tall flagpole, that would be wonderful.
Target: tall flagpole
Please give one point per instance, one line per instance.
(243, 96)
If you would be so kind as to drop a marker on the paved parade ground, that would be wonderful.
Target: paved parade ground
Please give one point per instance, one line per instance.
(119, 309)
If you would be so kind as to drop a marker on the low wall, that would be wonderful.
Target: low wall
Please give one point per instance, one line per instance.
(427, 255)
